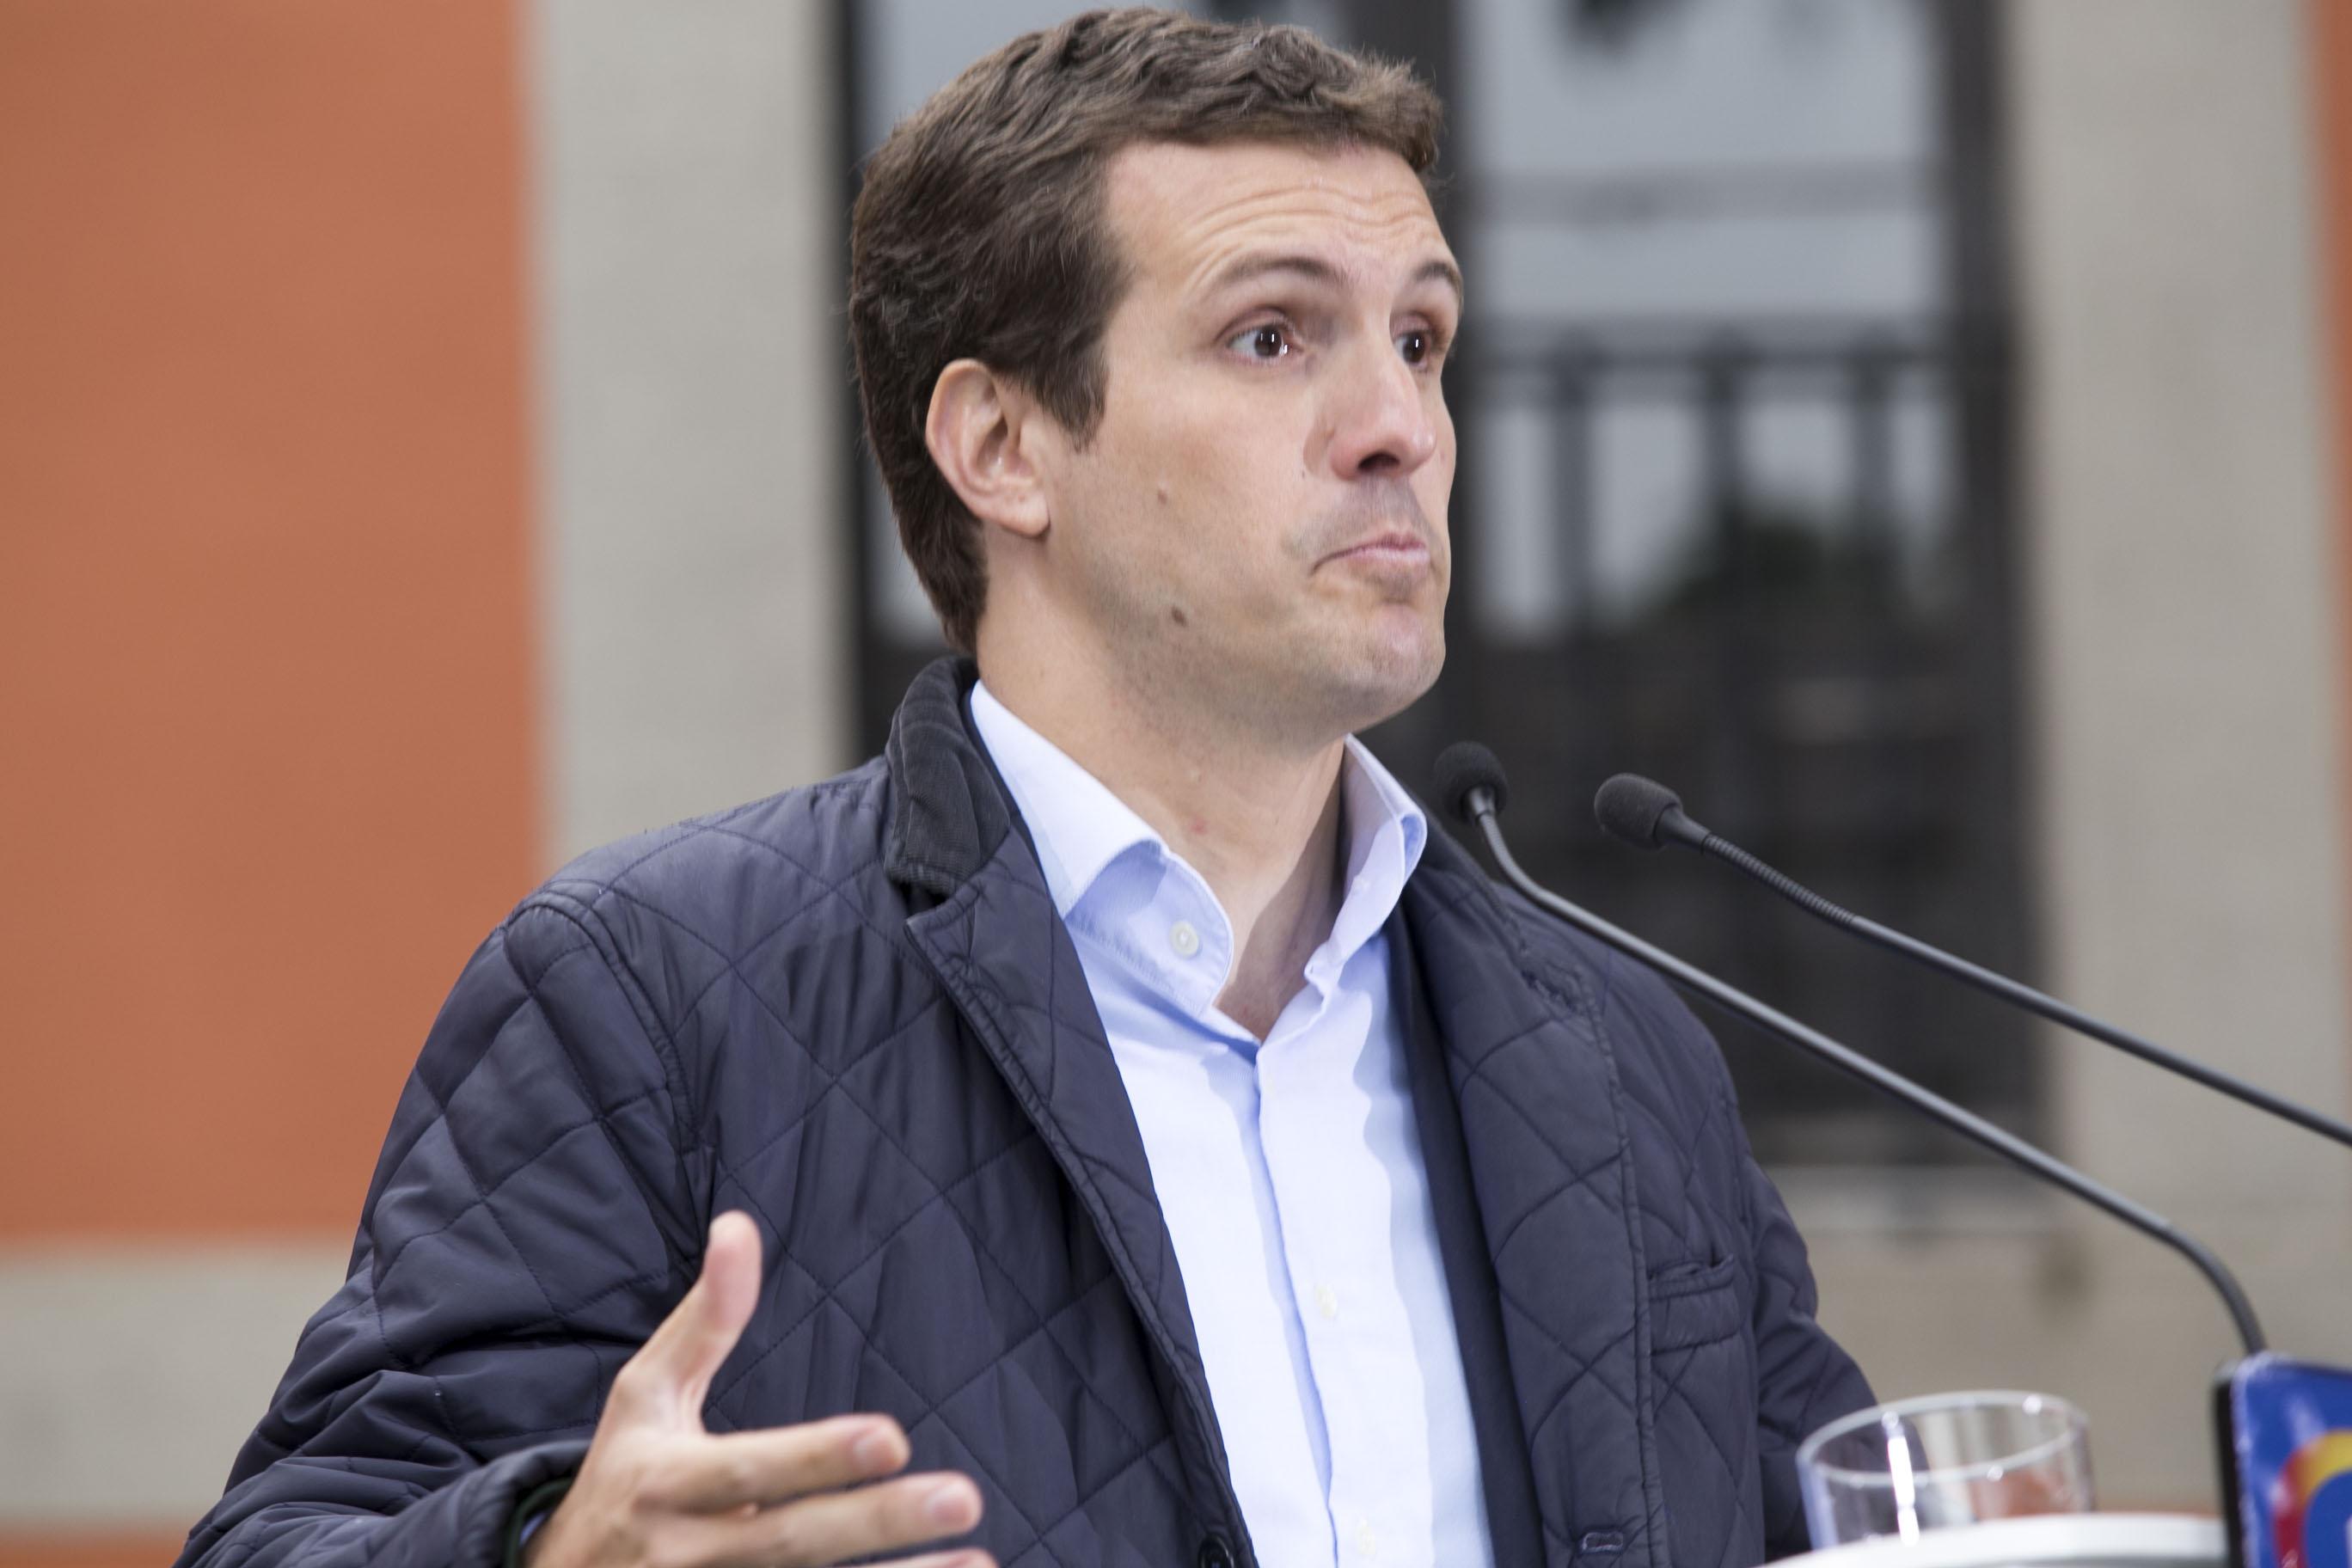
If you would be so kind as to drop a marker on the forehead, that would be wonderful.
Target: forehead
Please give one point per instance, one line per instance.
(1180, 211)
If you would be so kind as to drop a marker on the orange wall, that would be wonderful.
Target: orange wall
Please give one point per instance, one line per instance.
(106, 1549)
(265, 700)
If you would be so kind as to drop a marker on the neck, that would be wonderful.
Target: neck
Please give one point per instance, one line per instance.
(1258, 818)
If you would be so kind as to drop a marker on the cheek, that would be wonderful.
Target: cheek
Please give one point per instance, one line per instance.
(1205, 495)
(1439, 470)
(1207, 500)
(1155, 452)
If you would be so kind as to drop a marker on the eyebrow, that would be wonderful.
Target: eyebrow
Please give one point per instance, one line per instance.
(1438, 269)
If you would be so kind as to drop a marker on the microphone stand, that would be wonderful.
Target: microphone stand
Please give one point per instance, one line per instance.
(1479, 803)
(1674, 826)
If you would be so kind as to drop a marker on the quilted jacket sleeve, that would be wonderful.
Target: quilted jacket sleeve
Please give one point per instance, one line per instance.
(529, 1222)
(1804, 1378)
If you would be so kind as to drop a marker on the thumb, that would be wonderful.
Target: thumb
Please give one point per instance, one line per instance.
(670, 1374)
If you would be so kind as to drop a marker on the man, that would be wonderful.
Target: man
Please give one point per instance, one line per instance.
(1114, 1100)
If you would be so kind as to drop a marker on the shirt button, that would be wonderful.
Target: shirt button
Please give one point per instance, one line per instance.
(1366, 1543)
(1183, 939)
(1327, 1302)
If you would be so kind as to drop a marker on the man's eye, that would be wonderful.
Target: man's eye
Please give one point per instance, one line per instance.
(1415, 346)
(1269, 342)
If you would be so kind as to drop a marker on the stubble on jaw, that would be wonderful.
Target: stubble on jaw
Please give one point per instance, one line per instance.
(1334, 674)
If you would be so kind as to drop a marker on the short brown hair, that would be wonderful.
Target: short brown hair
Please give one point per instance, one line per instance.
(978, 231)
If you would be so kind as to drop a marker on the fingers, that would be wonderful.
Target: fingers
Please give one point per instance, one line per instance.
(667, 1378)
(837, 1526)
(780, 1463)
(785, 1497)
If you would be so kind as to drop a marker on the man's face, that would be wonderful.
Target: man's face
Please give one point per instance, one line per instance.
(1258, 522)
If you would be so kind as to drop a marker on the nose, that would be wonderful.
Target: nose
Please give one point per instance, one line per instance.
(1383, 418)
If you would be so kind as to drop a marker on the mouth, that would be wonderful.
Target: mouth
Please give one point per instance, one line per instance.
(1395, 548)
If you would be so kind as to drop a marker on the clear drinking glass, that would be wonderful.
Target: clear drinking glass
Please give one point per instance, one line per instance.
(1944, 1460)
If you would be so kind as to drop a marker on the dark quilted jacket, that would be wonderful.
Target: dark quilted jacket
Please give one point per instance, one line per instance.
(850, 1011)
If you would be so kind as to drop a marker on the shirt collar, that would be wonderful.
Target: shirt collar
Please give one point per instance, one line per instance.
(1080, 827)
(1386, 832)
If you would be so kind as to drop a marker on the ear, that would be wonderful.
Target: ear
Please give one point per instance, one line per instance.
(981, 431)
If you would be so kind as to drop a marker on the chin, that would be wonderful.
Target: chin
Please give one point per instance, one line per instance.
(1387, 678)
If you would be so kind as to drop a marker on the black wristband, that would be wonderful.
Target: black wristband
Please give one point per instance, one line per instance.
(536, 1505)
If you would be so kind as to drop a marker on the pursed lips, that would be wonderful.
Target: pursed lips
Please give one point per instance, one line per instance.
(1394, 547)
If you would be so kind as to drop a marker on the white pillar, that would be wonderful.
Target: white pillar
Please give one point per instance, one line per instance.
(688, 227)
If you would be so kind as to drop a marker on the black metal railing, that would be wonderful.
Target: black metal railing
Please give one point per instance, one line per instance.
(1814, 676)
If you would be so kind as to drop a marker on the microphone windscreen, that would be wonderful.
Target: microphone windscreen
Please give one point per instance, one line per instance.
(1461, 768)
(1631, 807)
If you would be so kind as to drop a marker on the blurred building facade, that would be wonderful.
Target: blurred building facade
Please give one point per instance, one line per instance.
(1913, 430)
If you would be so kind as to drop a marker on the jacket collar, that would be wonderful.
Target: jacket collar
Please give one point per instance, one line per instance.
(947, 811)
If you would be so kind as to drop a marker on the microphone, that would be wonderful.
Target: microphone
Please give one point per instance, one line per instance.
(1647, 813)
(1470, 786)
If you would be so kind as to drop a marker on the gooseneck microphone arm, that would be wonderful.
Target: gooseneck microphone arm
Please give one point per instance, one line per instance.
(1472, 790)
(1649, 815)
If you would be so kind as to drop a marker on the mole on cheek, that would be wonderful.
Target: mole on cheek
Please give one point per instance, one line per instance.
(1163, 492)
(1178, 615)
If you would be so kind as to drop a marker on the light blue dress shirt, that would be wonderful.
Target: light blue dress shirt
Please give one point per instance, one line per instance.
(1289, 1170)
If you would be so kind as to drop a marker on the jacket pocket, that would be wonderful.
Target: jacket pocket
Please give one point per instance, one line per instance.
(1695, 1304)
(1702, 1398)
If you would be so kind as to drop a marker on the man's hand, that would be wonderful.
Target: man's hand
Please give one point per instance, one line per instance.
(658, 1492)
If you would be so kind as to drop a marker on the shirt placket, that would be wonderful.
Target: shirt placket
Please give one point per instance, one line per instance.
(1320, 1170)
